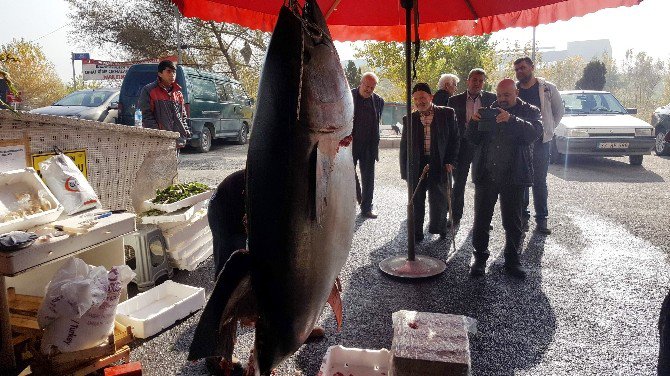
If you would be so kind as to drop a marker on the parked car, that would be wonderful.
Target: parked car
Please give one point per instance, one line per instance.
(595, 123)
(91, 104)
(660, 120)
(217, 106)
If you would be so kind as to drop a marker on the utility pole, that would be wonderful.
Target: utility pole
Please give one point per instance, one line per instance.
(178, 16)
(74, 79)
(532, 54)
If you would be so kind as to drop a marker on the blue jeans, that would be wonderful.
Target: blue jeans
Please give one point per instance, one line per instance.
(540, 192)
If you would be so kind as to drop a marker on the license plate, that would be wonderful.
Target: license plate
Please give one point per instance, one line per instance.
(613, 145)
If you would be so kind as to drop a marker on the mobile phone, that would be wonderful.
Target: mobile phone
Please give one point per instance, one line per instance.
(488, 118)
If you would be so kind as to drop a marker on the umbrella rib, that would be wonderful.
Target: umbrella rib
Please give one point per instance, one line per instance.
(332, 9)
(472, 9)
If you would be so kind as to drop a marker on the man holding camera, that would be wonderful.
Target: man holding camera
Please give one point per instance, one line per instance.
(466, 104)
(502, 166)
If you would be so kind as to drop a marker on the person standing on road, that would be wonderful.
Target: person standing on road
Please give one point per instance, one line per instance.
(368, 108)
(446, 87)
(466, 104)
(502, 167)
(162, 103)
(434, 144)
(545, 96)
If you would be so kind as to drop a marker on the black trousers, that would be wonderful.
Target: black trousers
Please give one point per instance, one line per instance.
(437, 203)
(367, 166)
(465, 154)
(511, 201)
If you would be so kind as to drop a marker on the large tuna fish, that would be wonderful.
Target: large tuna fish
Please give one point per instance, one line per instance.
(300, 198)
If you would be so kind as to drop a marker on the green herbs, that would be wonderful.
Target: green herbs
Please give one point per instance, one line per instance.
(178, 192)
(151, 213)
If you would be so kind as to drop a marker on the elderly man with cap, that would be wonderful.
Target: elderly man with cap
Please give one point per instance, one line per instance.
(502, 166)
(434, 144)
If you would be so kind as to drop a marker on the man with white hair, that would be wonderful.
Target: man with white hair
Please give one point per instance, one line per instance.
(446, 87)
(368, 108)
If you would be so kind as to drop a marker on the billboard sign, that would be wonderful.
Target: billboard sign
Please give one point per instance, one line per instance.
(111, 70)
(80, 55)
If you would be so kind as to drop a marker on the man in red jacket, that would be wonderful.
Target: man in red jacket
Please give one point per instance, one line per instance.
(162, 103)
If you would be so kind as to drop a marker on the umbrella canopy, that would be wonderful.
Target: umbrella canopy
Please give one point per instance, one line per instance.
(384, 20)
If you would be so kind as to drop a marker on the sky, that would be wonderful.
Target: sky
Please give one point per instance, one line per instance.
(640, 28)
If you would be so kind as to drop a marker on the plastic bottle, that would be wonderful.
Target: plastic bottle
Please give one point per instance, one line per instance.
(138, 118)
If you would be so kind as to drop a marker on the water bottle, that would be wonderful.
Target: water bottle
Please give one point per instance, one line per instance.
(138, 118)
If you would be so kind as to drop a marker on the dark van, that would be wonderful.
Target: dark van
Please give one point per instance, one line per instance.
(217, 106)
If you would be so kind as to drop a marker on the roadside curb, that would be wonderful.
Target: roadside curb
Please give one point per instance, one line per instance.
(389, 143)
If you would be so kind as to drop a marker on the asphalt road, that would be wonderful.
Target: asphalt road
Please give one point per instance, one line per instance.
(589, 306)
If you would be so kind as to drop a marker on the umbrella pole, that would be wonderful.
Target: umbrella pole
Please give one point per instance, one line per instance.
(413, 266)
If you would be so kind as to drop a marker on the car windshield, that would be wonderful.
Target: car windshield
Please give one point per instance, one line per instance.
(592, 103)
(85, 98)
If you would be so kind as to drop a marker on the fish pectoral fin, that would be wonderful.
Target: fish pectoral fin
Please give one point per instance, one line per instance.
(326, 152)
(230, 300)
(335, 302)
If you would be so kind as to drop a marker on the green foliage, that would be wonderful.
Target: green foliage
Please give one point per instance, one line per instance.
(563, 73)
(353, 74)
(31, 73)
(593, 77)
(456, 55)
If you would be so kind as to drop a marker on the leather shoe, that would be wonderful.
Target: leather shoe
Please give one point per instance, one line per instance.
(369, 214)
(515, 270)
(542, 228)
(524, 225)
(478, 268)
(443, 235)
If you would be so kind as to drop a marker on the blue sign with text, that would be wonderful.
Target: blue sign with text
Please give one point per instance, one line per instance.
(80, 56)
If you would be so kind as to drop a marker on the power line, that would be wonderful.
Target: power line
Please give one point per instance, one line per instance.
(49, 33)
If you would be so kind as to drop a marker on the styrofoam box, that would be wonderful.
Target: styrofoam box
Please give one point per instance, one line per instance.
(180, 216)
(185, 233)
(186, 248)
(18, 182)
(158, 308)
(354, 361)
(189, 201)
(194, 259)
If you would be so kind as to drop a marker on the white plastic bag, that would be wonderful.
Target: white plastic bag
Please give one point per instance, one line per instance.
(68, 184)
(80, 305)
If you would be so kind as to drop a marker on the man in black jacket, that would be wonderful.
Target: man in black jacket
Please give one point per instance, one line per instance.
(434, 143)
(502, 166)
(466, 104)
(368, 108)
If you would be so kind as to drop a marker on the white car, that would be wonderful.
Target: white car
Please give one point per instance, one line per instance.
(595, 123)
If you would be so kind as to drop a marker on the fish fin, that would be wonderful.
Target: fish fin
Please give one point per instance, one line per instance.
(335, 302)
(324, 162)
(216, 330)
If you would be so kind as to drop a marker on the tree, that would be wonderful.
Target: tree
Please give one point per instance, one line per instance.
(564, 73)
(593, 77)
(353, 74)
(447, 55)
(31, 73)
(142, 29)
(640, 83)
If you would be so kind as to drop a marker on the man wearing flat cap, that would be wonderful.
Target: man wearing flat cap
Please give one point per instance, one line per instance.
(435, 144)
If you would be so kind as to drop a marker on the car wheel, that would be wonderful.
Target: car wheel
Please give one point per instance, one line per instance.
(635, 160)
(662, 147)
(205, 140)
(243, 135)
(554, 156)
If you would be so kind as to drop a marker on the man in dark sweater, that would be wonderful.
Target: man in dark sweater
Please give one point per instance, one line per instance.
(502, 166)
(368, 108)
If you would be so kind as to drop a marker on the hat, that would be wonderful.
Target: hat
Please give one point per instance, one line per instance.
(421, 86)
(166, 64)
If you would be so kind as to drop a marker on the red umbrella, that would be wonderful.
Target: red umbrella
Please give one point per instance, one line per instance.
(384, 20)
(391, 20)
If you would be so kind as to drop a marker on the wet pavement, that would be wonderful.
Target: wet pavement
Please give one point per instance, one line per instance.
(589, 306)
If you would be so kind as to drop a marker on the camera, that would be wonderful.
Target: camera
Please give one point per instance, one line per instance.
(488, 118)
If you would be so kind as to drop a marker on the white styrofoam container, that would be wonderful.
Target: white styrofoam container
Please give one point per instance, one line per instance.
(194, 259)
(188, 247)
(179, 216)
(151, 311)
(354, 361)
(176, 236)
(169, 208)
(21, 181)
